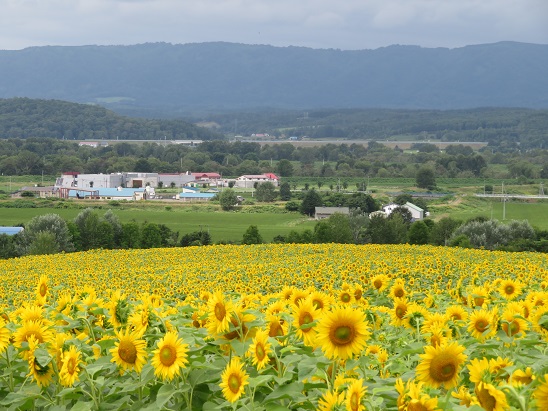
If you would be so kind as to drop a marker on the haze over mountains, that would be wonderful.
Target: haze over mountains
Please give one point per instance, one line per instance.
(165, 80)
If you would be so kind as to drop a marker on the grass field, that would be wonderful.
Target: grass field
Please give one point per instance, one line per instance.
(223, 226)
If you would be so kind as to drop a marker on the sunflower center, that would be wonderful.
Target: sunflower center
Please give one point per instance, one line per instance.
(259, 351)
(377, 284)
(276, 330)
(509, 289)
(345, 297)
(71, 365)
(127, 352)
(318, 304)
(478, 301)
(399, 292)
(354, 401)
(234, 383)
(306, 319)
(43, 289)
(358, 294)
(168, 355)
(343, 335)
(220, 311)
(400, 312)
(481, 325)
(415, 405)
(442, 367)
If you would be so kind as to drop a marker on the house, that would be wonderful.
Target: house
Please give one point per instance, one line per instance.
(42, 192)
(417, 213)
(326, 212)
(130, 194)
(174, 179)
(10, 230)
(249, 180)
(194, 197)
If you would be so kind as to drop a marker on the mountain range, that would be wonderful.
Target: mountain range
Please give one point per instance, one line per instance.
(171, 80)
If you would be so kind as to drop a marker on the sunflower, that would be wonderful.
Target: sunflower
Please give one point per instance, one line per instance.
(398, 312)
(510, 289)
(456, 313)
(4, 335)
(354, 396)
(539, 319)
(520, 377)
(233, 380)
(32, 329)
(398, 289)
(129, 352)
(415, 316)
(298, 295)
(357, 291)
(41, 372)
(42, 290)
(541, 393)
(345, 297)
(342, 332)
(478, 296)
(465, 397)
(480, 370)
(330, 401)
(70, 367)
(379, 282)
(170, 356)
(498, 366)
(259, 349)
(118, 309)
(277, 327)
(440, 365)
(305, 314)
(321, 300)
(438, 335)
(491, 399)
(219, 312)
(482, 324)
(513, 324)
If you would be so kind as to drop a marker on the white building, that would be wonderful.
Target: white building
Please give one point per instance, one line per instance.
(417, 213)
(249, 180)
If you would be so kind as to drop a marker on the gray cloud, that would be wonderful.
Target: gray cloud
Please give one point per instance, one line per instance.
(344, 24)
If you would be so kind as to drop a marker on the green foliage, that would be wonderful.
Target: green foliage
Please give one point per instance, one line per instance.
(310, 201)
(335, 229)
(43, 243)
(292, 206)
(252, 236)
(418, 233)
(61, 237)
(195, 238)
(285, 191)
(265, 192)
(228, 199)
(426, 178)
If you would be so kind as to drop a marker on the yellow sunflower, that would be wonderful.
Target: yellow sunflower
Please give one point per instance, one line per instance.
(345, 297)
(277, 327)
(456, 313)
(129, 352)
(398, 289)
(415, 316)
(491, 399)
(42, 290)
(354, 396)
(440, 365)
(32, 329)
(169, 357)
(399, 311)
(465, 397)
(513, 324)
(539, 320)
(480, 370)
(330, 401)
(41, 372)
(259, 349)
(4, 335)
(482, 324)
(118, 309)
(342, 332)
(520, 377)
(510, 289)
(219, 312)
(541, 393)
(380, 282)
(233, 380)
(321, 301)
(305, 314)
(70, 367)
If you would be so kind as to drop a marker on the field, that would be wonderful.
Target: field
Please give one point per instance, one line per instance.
(223, 226)
(275, 327)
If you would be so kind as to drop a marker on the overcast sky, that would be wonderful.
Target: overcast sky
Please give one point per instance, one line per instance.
(342, 24)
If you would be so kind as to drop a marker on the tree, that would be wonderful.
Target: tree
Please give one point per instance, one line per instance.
(151, 236)
(117, 229)
(48, 223)
(310, 201)
(252, 236)
(418, 233)
(382, 230)
(87, 223)
(443, 230)
(426, 178)
(228, 199)
(131, 235)
(285, 168)
(266, 192)
(43, 243)
(335, 229)
(195, 238)
(285, 192)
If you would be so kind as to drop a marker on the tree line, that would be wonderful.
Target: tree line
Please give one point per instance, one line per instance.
(36, 156)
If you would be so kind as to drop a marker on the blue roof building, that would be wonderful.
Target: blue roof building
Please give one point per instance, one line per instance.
(10, 230)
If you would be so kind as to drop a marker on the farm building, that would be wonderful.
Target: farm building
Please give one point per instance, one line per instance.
(249, 180)
(326, 212)
(417, 213)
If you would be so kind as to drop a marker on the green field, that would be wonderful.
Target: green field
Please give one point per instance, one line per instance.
(223, 226)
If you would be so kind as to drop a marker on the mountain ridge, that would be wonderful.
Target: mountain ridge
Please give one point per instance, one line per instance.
(170, 78)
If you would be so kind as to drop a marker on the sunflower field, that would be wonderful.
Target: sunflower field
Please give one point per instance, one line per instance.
(275, 327)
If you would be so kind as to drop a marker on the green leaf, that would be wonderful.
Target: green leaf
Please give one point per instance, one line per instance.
(292, 391)
(82, 406)
(164, 394)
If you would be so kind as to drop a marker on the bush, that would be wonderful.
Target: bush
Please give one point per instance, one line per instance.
(292, 206)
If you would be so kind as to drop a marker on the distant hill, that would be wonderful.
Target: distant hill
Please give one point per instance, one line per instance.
(160, 79)
(25, 118)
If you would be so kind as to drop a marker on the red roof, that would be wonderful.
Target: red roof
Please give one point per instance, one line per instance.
(207, 175)
(272, 176)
